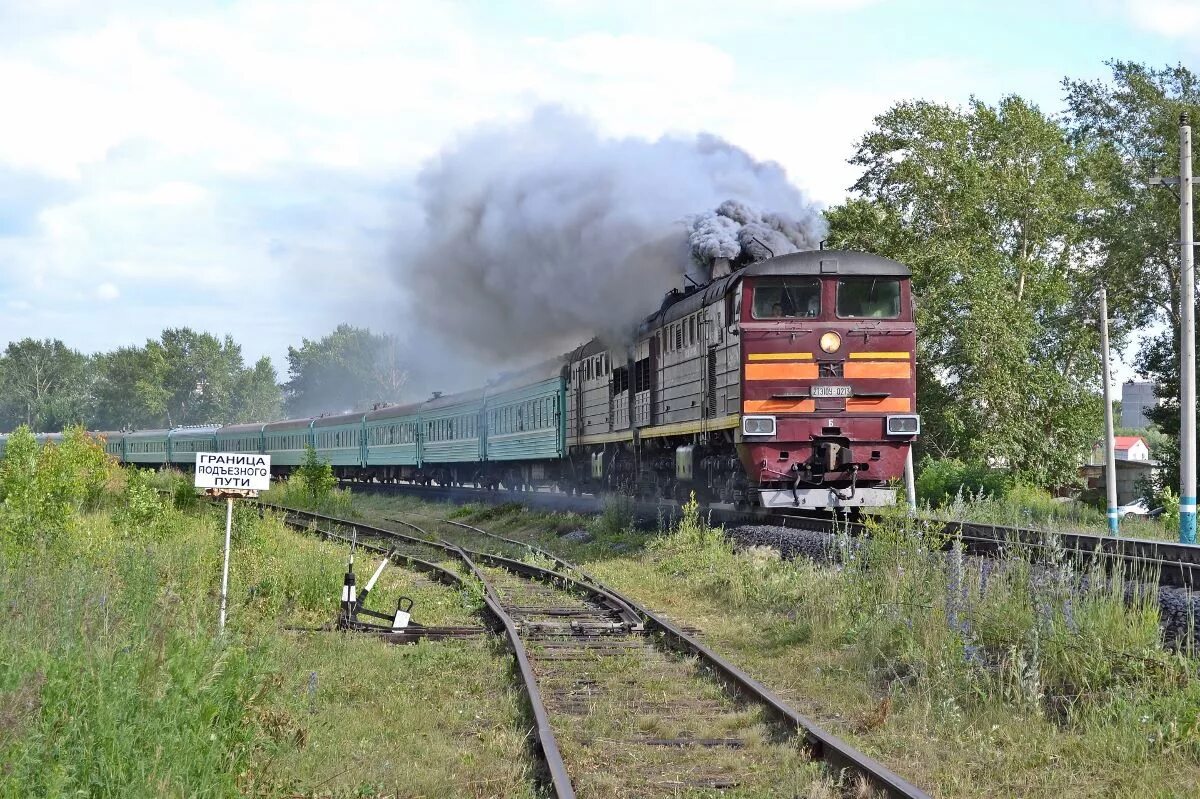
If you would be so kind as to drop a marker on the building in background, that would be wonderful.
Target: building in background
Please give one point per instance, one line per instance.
(1135, 470)
(1128, 448)
(1136, 399)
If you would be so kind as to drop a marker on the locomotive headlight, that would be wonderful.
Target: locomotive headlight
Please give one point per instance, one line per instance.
(831, 342)
(758, 425)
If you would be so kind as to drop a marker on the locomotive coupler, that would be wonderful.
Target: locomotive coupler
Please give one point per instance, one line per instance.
(853, 485)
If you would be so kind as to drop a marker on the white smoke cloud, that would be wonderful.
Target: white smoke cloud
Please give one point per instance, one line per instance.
(542, 233)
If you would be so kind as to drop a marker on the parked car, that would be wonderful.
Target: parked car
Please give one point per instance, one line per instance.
(1139, 507)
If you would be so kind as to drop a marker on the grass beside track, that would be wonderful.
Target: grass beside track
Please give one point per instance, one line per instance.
(970, 685)
(114, 683)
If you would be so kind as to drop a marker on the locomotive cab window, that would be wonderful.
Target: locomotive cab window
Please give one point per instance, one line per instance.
(868, 298)
(790, 298)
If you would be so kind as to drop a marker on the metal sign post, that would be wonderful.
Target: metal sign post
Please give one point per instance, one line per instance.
(231, 475)
(225, 568)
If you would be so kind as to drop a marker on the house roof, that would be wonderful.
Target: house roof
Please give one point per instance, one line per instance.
(1125, 442)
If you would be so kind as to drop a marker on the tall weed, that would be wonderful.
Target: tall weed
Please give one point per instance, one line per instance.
(43, 489)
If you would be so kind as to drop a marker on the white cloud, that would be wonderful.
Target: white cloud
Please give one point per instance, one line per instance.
(1177, 19)
(230, 163)
(106, 292)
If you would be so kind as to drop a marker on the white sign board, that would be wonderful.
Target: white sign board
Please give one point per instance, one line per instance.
(233, 470)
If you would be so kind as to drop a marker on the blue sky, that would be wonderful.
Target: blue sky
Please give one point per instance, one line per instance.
(248, 166)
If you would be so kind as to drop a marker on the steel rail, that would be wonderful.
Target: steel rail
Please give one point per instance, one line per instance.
(545, 553)
(821, 744)
(596, 592)
(1175, 564)
(440, 572)
(546, 742)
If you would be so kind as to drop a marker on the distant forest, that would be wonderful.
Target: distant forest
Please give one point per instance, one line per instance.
(1009, 216)
(187, 377)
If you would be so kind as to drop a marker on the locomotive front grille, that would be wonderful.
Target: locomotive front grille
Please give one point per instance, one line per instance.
(830, 369)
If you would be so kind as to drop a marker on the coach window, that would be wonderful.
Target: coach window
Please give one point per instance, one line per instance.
(868, 298)
(788, 298)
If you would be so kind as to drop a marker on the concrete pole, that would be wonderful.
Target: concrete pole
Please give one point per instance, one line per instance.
(225, 568)
(1187, 342)
(910, 483)
(1110, 449)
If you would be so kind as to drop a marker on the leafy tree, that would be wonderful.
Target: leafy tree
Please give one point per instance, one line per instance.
(200, 375)
(44, 384)
(1130, 123)
(257, 396)
(984, 203)
(349, 369)
(129, 387)
(184, 377)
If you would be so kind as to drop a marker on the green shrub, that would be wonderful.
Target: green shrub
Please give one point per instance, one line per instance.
(294, 493)
(184, 495)
(617, 517)
(940, 481)
(142, 509)
(42, 490)
(317, 476)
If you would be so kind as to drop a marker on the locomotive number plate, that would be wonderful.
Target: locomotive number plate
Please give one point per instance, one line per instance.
(831, 391)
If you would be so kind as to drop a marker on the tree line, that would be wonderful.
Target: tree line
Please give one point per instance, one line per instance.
(187, 377)
(1010, 218)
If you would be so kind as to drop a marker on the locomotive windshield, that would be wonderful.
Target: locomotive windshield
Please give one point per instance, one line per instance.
(868, 298)
(790, 298)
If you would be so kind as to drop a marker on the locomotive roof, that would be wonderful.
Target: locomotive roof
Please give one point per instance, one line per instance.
(809, 262)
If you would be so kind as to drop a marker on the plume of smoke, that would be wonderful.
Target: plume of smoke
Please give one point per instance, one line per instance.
(541, 233)
(743, 234)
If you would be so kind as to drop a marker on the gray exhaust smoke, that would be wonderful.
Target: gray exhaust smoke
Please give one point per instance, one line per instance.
(541, 234)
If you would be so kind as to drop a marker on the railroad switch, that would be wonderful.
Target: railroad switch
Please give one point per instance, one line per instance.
(354, 603)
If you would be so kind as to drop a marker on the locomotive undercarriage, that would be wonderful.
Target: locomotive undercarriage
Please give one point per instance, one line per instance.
(663, 468)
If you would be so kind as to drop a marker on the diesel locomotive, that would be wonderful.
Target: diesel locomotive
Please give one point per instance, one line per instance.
(785, 383)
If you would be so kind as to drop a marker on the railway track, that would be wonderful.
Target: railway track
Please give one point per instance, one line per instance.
(624, 702)
(1168, 563)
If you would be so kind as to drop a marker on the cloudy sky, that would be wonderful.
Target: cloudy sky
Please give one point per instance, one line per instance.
(248, 166)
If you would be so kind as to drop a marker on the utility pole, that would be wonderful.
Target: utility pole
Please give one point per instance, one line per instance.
(1110, 450)
(1187, 342)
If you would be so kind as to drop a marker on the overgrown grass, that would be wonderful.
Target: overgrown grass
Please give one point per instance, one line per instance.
(972, 680)
(114, 682)
(1024, 506)
(295, 492)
